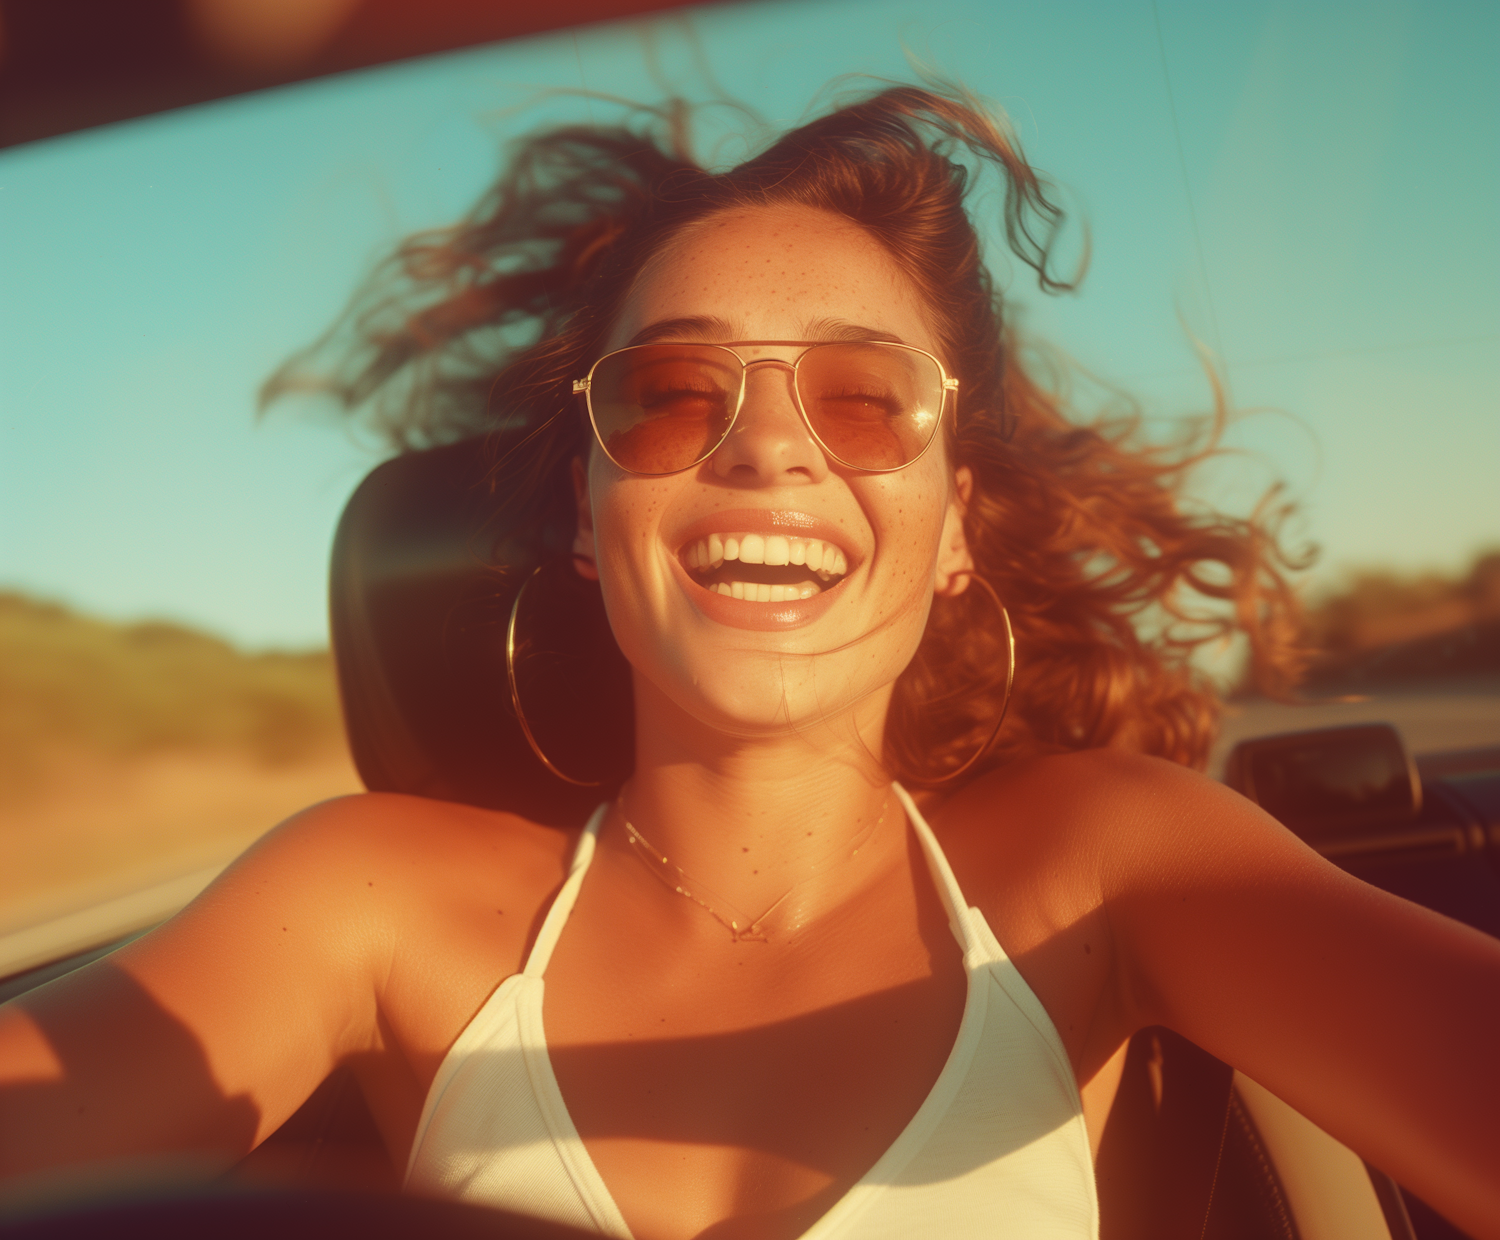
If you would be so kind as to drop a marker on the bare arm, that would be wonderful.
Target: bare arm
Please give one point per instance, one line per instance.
(1376, 1018)
(201, 1037)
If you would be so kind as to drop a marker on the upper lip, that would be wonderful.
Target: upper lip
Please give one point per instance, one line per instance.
(766, 521)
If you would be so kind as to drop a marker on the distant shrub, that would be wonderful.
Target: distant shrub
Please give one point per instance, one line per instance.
(1377, 608)
(71, 682)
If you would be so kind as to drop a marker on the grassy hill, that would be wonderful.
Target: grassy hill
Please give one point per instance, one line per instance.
(70, 683)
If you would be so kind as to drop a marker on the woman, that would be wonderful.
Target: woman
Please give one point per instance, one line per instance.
(755, 1019)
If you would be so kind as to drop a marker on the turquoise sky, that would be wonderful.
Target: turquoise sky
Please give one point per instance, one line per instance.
(1312, 189)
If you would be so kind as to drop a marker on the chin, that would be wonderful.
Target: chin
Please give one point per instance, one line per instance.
(747, 694)
(763, 694)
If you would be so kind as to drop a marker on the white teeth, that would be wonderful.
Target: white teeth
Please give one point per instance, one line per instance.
(822, 558)
(759, 592)
(774, 549)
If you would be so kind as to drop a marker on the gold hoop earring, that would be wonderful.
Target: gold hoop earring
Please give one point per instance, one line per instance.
(515, 693)
(1010, 680)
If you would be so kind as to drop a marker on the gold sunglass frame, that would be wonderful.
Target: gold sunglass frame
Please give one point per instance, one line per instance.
(583, 387)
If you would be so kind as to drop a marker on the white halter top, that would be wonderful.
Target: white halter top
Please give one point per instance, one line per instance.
(998, 1148)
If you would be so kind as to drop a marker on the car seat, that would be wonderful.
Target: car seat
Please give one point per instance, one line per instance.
(423, 580)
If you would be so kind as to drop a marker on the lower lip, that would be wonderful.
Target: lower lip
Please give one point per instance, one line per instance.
(763, 617)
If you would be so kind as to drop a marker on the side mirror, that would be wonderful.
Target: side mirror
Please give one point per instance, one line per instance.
(1331, 784)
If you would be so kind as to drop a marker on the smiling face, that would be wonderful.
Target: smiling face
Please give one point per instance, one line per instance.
(770, 585)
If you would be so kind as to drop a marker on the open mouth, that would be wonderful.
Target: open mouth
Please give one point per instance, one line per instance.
(764, 568)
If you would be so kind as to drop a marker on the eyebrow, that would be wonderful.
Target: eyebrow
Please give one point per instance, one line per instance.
(680, 329)
(842, 329)
(712, 329)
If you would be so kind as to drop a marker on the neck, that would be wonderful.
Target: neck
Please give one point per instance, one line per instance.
(791, 820)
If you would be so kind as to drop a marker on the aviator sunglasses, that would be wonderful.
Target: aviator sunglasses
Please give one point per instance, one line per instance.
(872, 405)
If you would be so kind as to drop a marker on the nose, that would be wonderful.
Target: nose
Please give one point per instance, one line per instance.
(770, 444)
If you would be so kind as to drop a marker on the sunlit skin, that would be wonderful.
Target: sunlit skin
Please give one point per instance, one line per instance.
(745, 1086)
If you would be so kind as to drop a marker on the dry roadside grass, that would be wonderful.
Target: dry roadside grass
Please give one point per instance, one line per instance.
(131, 754)
(100, 826)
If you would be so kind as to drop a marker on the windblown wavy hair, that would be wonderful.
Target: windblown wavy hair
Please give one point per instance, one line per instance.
(1111, 577)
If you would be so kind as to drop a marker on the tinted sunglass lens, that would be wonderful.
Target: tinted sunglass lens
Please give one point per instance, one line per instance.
(874, 405)
(661, 408)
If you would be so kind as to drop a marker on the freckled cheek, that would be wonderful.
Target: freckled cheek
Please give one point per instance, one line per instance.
(627, 531)
(910, 532)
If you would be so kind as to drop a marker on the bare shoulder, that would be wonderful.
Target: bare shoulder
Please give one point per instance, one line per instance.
(334, 922)
(405, 843)
(1088, 782)
(390, 822)
(393, 881)
(348, 882)
(1107, 829)
(1106, 816)
(1057, 851)
(436, 903)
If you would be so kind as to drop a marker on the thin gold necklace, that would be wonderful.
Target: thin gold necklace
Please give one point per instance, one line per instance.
(742, 929)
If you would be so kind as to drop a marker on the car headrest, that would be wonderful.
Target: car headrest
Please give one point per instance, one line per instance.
(424, 577)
